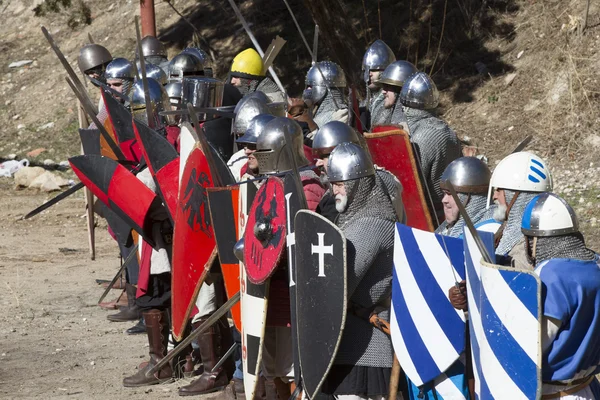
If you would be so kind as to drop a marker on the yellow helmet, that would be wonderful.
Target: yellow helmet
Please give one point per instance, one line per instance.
(247, 64)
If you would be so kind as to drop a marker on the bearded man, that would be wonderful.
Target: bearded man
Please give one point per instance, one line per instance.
(362, 366)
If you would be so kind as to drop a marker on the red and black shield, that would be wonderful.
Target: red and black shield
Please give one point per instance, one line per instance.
(90, 141)
(163, 163)
(193, 239)
(391, 149)
(320, 279)
(224, 212)
(264, 238)
(121, 191)
(120, 119)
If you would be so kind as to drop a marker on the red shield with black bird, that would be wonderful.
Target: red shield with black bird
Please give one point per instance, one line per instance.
(193, 239)
(264, 238)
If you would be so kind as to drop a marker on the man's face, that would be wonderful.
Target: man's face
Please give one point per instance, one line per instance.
(341, 199)
(322, 162)
(373, 77)
(249, 150)
(502, 206)
(389, 97)
(115, 84)
(451, 212)
(235, 81)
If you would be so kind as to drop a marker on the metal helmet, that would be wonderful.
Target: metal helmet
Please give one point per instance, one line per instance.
(419, 91)
(467, 175)
(549, 215)
(280, 145)
(174, 91)
(92, 56)
(330, 135)
(396, 74)
(323, 75)
(248, 64)
(349, 161)
(238, 249)
(522, 171)
(255, 128)
(185, 65)
(119, 68)
(204, 58)
(246, 109)
(202, 92)
(152, 71)
(158, 98)
(152, 47)
(377, 57)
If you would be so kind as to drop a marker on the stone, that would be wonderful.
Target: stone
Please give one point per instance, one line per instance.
(48, 162)
(49, 125)
(48, 182)
(21, 126)
(36, 152)
(508, 79)
(26, 175)
(560, 87)
(19, 64)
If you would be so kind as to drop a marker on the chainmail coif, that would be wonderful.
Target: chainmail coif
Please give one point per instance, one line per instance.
(328, 106)
(566, 246)
(437, 146)
(475, 207)
(512, 228)
(368, 225)
(379, 114)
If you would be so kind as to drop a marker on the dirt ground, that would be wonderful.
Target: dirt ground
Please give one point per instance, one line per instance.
(55, 342)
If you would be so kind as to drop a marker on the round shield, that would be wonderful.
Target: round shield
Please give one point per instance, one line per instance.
(264, 238)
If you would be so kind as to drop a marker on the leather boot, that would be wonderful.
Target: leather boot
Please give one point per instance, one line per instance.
(129, 313)
(157, 327)
(137, 329)
(213, 343)
(183, 363)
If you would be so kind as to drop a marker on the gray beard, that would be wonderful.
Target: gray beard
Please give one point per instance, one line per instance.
(500, 212)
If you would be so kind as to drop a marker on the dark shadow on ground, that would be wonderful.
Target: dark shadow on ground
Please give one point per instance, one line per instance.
(412, 28)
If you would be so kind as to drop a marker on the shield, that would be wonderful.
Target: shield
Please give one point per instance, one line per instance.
(187, 141)
(264, 238)
(121, 191)
(391, 149)
(193, 239)
(428, 333)
(224, 213)
(292, 205)
(254, 303)
(163, 163)
(505, 315)
(90, 140)
(121, 121)
(320, 279)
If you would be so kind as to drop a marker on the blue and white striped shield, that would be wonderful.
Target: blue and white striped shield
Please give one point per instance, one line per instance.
(428, 334)
(504, 309)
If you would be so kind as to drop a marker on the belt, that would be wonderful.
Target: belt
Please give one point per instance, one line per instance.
(579, 384)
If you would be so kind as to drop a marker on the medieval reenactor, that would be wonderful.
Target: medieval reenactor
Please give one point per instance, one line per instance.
(248, 108)
(185, 65)
(362, 366)
(153, 71)
(517, 179)
(160, 102)
(391, 81)
(323, 98)
(93, 59)
(154, 52)
(376, 59)
(203, 57)
(436, 144)
(570, 276)
(248, 142)
(471, 179)
(327, 138)
(247, 73)
(119, 76)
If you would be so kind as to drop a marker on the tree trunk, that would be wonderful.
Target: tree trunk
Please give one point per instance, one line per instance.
(338, 33)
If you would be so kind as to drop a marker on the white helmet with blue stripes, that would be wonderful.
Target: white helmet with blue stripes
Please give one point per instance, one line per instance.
(522, 171)
(549, 215)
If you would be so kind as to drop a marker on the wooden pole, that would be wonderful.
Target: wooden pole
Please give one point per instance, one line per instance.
(148, 18)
